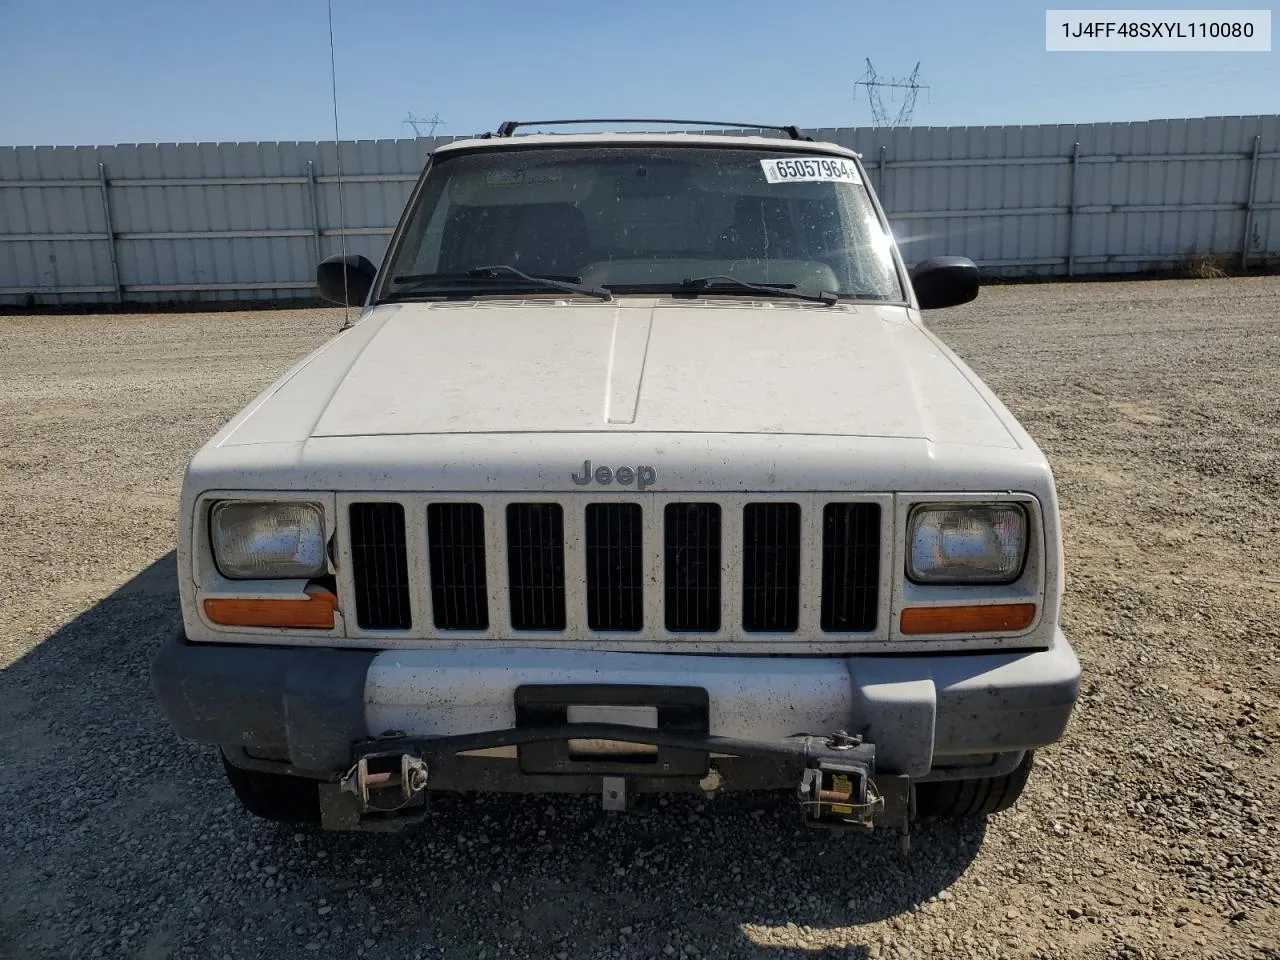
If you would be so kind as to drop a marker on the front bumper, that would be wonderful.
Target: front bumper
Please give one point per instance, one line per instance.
(313, 711)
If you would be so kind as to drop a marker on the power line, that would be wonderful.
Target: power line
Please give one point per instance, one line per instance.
(875, 83)
(418, 123)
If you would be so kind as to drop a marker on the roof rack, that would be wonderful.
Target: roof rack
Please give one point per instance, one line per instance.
(508, 127)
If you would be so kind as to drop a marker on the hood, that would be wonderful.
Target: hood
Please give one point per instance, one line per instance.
(639, 366)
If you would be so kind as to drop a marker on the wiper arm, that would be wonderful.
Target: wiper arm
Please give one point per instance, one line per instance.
(772, 289)
(504, 271)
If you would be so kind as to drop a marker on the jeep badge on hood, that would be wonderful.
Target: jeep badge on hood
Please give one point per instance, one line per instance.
(642, 476)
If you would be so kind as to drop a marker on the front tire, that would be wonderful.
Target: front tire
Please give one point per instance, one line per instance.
(275, 796)
(950, 799)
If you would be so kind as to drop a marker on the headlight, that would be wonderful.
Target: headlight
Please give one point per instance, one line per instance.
(950, 543)
(253, 540)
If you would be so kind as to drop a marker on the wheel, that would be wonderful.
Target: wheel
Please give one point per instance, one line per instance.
(972, 798)
(275, 796)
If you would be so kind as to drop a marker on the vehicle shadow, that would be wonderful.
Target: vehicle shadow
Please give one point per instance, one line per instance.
(128, 840)
(738, 876)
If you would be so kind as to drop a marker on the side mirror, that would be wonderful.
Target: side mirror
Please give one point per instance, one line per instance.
(944, 282)
(345, 280)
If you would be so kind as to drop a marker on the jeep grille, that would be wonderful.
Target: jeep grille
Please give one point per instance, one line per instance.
(657, 567)
(850, 566)
(615, 567)
(770, 567)
(691, 566)
(455, 551)
(381, 566)
(535, 565)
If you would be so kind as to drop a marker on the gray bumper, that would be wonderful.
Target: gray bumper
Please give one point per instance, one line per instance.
(310, 706)
(303, 704)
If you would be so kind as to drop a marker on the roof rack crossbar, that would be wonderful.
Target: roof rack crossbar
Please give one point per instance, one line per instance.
(509, 127)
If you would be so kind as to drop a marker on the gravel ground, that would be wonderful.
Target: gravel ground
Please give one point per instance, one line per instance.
(1150, 831)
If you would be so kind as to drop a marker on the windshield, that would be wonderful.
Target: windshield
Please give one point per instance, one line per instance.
(644, 218)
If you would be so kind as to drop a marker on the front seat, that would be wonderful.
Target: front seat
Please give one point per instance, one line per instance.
(762, 228)
(538, 238)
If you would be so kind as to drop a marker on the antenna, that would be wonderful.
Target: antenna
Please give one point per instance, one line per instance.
(418, 122)
(875, 83)
(337, 148)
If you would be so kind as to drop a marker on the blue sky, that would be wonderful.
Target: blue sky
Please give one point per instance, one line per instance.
(114, 72)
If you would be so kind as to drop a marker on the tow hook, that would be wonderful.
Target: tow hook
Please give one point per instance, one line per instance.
(842, 790)
(836, 793)
(378, 783)
(380, 787)
(711, 783)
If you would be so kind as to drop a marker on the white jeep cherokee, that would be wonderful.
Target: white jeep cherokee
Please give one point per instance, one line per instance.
(638, 472)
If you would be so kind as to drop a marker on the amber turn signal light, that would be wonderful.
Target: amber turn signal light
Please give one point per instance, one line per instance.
(313, 613)
(985, 618)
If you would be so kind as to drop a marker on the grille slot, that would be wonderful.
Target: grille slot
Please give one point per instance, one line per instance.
(380, 566)
(455, 551)
(535, 565)
(850, 567)
(770, 567)
(692, 567)
(615, 567)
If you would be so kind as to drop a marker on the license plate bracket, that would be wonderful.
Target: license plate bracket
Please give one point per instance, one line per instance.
(680, 710)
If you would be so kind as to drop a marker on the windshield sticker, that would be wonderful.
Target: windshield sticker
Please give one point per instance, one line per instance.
(810, 170)
(517, 178)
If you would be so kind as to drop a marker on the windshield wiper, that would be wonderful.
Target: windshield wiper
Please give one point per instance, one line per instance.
(502, 271)
(772, 289)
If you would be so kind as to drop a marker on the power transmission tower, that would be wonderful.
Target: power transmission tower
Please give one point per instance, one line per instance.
(418, 122)
(875, 83)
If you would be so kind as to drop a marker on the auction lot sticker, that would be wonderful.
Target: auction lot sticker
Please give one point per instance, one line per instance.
(810, 170)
